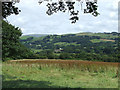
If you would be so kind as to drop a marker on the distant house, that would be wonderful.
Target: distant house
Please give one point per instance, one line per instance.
(58, 50)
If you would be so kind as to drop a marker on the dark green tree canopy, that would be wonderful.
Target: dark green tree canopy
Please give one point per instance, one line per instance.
(11, 46)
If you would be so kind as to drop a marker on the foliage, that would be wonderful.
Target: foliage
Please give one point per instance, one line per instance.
(86, 46)
(12, 48)
(61, 6)
(8, 8)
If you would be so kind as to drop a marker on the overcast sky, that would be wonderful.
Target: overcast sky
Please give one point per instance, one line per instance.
(34, 20)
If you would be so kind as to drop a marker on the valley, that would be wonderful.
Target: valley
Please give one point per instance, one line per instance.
(85, 46)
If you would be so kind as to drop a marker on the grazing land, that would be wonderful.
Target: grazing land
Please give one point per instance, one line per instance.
(49, 73)
(79, 46)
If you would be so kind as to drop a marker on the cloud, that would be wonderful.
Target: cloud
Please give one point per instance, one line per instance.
(112, 14)
(33, 19)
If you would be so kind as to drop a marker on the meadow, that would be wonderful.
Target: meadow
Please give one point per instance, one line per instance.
(46, 73)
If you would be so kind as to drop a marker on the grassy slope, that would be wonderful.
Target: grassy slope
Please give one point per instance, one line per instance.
(34, 76)
(25, 37)
(104, 38)
(101, 40)
(102, 35)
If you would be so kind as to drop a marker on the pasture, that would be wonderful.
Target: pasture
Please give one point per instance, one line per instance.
(29, 73)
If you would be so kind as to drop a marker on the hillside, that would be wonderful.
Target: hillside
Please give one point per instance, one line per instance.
(33, 35)
(87, 46)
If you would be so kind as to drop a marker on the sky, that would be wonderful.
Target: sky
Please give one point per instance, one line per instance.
(34, 20)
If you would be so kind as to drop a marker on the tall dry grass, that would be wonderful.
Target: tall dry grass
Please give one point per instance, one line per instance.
(88, 66)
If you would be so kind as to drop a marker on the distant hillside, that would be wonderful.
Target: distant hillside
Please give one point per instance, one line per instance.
(89, 46)
(34, 35)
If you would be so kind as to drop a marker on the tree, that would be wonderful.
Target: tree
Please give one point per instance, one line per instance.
(64, 5)
(11, 47)
(8, 8)
(65, 56)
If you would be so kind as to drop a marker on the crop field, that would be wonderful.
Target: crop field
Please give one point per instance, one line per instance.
(48, 73)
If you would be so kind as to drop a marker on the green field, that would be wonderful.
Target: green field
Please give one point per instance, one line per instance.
(102, 35)
(34, 75)
(101, 40)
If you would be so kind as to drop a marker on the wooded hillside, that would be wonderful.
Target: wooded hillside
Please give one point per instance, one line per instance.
(85, 46)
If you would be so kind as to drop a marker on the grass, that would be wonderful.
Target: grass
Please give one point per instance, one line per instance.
(34, 38)
(66, 44)
(102, 35)
(25, 37)
(51, 74)
(36, 50)
(101, 40)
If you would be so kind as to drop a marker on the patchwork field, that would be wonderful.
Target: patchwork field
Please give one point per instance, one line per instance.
(48, 73)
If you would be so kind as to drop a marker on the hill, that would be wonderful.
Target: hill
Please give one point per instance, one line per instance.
(86, 46)
(33, 35)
